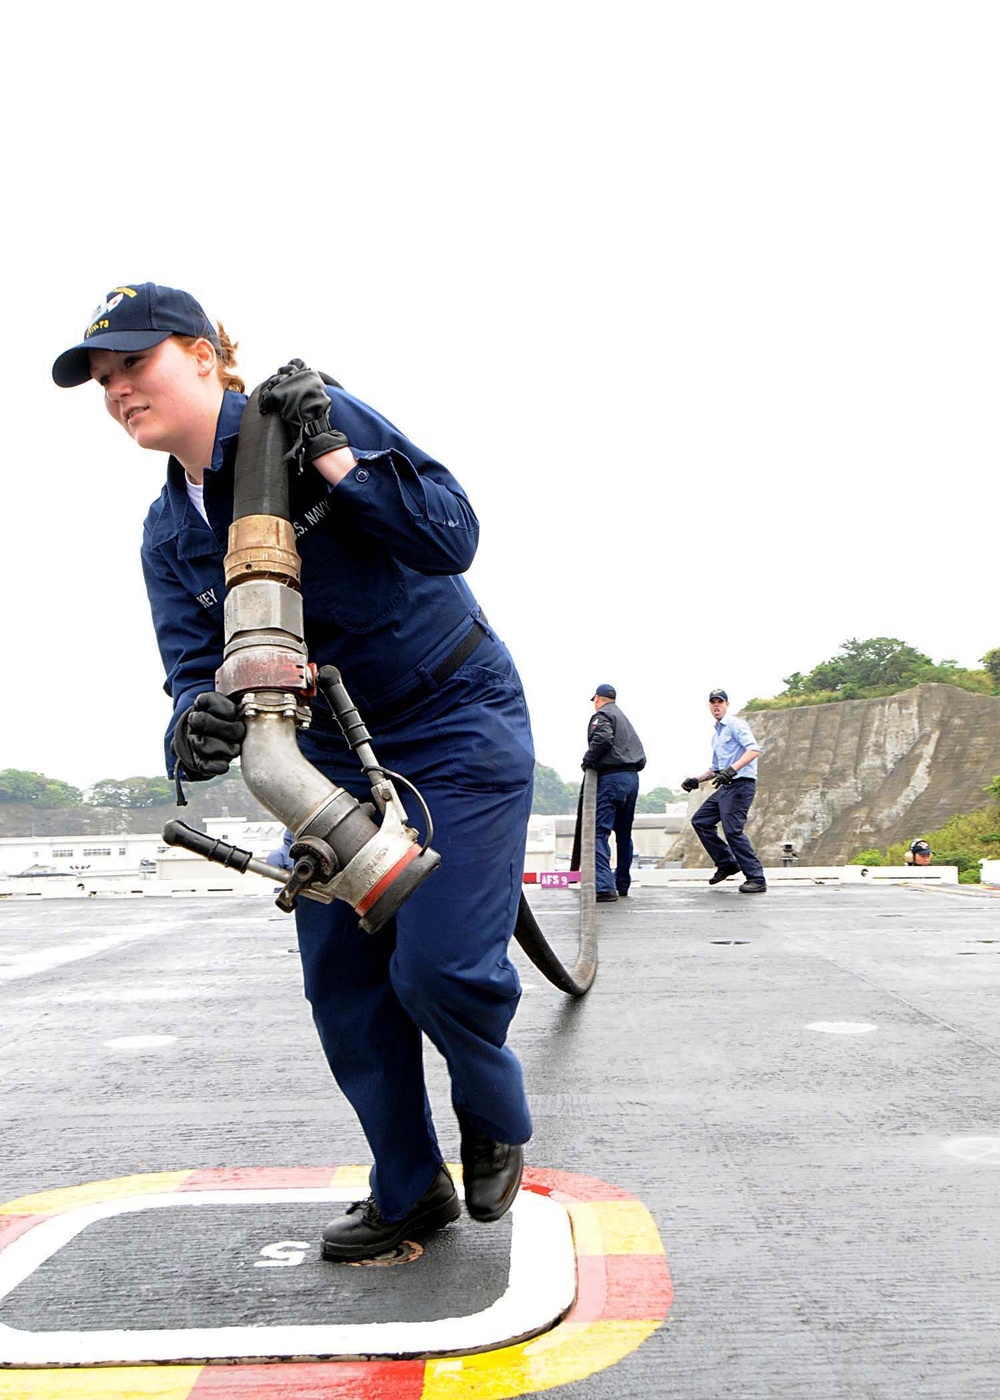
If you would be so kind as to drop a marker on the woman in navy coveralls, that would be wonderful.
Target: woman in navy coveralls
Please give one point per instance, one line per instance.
(384, 533)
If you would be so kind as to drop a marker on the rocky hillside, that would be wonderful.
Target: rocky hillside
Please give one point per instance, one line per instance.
(835, 779)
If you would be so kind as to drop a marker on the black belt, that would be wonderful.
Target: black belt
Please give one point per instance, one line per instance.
(440, 673)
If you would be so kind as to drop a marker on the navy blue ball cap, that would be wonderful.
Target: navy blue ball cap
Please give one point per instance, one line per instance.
(136, 317)
(607, 692)
(718, 695)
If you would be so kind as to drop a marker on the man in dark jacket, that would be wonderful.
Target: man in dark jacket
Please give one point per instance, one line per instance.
(615, 752)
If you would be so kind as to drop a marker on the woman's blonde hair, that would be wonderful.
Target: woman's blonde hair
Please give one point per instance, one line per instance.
(225, 361)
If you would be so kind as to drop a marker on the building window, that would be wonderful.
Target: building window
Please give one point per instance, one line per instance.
(97, 850)
(61, 852)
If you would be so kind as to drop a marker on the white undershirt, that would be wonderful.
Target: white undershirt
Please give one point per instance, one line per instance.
(196, 495)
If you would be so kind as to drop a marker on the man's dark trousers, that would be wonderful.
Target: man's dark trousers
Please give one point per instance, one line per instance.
(729, 805)
(616, 795)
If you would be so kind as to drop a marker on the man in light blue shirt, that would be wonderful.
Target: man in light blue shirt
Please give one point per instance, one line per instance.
(733, 773)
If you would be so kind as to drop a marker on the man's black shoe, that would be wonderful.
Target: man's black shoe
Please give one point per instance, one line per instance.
(491, 1172)
(363, 1232)
(606, 896)
(723, 873)
(753, 887)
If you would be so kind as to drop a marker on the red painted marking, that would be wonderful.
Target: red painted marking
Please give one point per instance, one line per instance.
(572, 1187)
(326, 1380)
(257, 1178)
(11, 1226)
(613, 1287)
(529, 878)
(621, 1288)
(380, 887)
(637, 1287)
(591, 1289)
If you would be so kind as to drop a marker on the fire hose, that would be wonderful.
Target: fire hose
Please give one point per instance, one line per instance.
(366, 854)
(576, 981)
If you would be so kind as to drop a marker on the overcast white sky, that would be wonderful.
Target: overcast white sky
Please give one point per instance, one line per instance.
(699, 303)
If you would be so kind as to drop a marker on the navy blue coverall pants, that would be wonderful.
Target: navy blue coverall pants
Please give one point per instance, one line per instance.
(383, 554)
(441, 966)
(615, 810)
(729, 805)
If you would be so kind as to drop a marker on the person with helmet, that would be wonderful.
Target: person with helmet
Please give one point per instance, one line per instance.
(615, 752)
(385, 534)
(733, 774)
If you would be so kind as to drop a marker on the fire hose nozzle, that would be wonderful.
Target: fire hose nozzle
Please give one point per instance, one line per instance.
(177, 833)
(339, 851)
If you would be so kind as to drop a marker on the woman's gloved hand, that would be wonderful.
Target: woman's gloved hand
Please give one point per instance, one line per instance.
(208, 736)
(299, 395)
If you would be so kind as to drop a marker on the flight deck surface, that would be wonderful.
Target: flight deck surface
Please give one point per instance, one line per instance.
(766, 1162)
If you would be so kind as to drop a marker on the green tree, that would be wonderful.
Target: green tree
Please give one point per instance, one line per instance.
(553, 797)
(130, 793)
(875, 666)
(876, 662)
(19, 785)
(991, 661)
(795, 683)
(656, 800)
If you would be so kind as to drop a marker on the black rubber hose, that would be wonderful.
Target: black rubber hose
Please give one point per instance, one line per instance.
(577, 982)
(261, 480)
(261, 488)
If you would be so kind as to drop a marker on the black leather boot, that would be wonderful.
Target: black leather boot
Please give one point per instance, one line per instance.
(491, 1172)
(362, 1232)
(753, 887)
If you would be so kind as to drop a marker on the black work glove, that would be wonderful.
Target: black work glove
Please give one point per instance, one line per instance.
(724, 777)
(587, 762)
(208, 736)
(299, 395)
(690, 784)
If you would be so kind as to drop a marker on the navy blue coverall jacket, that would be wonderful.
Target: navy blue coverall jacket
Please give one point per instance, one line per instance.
(382, 557)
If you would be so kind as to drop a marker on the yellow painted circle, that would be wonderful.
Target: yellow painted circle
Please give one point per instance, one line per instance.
(623, 1295)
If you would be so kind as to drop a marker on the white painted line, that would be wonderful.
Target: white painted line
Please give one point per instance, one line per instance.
(117, 996)
(140, 1042)
(983, 1150)
(842, 1027)
(45, 959)
(541, 1285)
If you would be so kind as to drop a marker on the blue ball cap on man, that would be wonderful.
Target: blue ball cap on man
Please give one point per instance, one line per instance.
(604, 692)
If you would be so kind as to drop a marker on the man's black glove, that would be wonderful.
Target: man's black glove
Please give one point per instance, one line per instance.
(299, 395)
(208, 736)
(690, 784)
(724, 777)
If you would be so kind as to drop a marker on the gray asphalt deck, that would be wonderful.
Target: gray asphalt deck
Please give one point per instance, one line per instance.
(802, 1088)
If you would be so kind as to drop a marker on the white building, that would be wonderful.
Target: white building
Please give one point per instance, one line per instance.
(127, 854)
(147, 856)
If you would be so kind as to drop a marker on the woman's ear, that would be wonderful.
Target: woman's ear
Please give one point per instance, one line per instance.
(205, 354)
